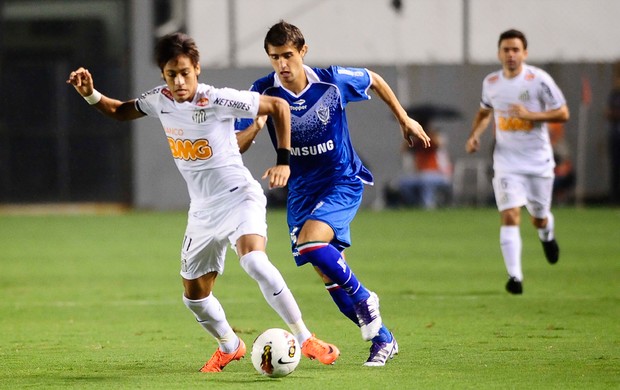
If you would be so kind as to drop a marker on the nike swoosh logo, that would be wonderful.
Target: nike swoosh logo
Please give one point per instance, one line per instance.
(280, 361)
(275, 294)
(165, 112)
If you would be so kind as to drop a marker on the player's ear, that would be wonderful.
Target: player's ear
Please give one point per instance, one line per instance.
(303, 51)
(197, 67)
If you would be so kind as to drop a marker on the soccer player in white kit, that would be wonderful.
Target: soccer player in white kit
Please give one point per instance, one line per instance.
(522, 99)
(228, 205)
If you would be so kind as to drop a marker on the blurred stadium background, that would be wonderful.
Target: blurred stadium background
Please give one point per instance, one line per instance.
(55, 150)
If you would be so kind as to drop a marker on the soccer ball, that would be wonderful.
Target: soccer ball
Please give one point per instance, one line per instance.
(275, 353)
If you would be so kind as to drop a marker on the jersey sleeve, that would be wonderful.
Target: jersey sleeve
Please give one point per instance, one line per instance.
(550, 93)
(231, 103)
(243, 123)
(352, 82)
(148, 102)
(485, 101)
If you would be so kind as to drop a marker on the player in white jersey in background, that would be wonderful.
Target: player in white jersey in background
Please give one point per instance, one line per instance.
(228, 205)
(522, 99)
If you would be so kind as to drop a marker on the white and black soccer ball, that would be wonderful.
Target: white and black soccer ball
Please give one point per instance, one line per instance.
(275, 353)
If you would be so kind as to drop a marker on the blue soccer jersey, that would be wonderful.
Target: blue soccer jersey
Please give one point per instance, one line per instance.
(321, 149)
(327, 175)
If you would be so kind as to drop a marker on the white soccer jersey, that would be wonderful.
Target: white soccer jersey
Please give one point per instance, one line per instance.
(202, 139)
(522, 146)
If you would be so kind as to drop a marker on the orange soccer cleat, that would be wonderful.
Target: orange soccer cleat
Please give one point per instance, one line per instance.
(220, 359)
(314, 348)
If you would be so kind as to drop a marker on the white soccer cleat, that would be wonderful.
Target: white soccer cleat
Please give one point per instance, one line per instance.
(381, 352)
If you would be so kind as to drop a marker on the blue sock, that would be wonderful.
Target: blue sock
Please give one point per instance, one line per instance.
(332, 264)
(343, 301)
(384, 335)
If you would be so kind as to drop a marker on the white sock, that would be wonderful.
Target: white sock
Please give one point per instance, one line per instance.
(546, 233)
(275, 291)
(300, 331)
(510, 243)
(210, 315)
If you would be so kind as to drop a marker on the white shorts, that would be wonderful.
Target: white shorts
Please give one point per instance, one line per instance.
(209, 231)
(533, 192)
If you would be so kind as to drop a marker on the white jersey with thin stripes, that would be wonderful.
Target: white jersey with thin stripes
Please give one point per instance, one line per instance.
(522, 146)
(202, 139)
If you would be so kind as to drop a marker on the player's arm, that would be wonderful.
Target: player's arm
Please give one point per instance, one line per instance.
(246, 136)
(280, 112)
(82, 81)
(480, 124)
(410, 128)
(558, 115)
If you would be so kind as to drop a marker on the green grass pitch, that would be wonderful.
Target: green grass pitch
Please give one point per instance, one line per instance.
(94, 302)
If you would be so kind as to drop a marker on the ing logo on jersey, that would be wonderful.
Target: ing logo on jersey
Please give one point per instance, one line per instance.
(514, 124)
(188, 150)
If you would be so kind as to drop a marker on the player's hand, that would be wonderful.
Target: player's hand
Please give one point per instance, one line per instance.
(411, 130)
(472, 145)
(278, 176)
(82, 81)
(518, 111)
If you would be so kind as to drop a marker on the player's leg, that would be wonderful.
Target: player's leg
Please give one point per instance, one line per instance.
(202, 260)
(250, 242)
(319, 228)
(384, 345)
(539, 206)
(339, 296)
(346, 306)
(314, 247)
(510, 197)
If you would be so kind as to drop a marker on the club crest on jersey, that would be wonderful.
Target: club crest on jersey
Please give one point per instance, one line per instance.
(524, 96)
(323, 114)
(199, 116)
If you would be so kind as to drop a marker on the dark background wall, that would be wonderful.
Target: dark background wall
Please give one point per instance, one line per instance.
(54, 148)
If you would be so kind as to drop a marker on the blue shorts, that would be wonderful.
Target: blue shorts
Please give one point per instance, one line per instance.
(336, 206)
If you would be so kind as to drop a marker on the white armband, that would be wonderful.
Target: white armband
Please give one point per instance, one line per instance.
(93, 98)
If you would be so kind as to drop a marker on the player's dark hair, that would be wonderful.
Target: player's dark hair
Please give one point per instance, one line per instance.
(282, 33)
(173, 45)
(510, 34)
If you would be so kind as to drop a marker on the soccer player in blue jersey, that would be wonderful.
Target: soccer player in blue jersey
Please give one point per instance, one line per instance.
(327, 176)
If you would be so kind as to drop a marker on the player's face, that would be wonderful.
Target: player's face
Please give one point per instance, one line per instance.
(512, 54)
(182, 78)
(288, 63)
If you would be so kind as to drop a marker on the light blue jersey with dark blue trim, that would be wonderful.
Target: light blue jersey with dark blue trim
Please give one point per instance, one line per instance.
(321, 149)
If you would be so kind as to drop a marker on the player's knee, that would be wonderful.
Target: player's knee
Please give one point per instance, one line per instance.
(256, 264)
(310, 252)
